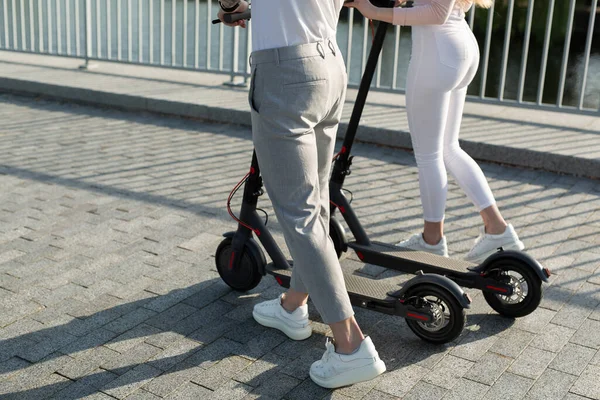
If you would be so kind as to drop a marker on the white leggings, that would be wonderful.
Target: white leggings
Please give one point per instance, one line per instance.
(444, 61)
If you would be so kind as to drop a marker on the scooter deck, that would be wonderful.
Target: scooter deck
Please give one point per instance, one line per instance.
(415, 260)
(357, 286)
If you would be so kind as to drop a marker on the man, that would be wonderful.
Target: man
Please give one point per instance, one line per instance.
(296, 96)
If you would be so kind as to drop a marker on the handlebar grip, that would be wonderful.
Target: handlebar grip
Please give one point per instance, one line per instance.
(233, 17)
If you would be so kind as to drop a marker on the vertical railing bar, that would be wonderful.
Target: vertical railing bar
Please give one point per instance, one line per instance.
(196, 33)
(363, 62)
(49, 26)
(542, 79)
(5, 18)
(208, 32)
(77, 33)
(88, 31)
(98, 29)
(14, 25)
(173, 21)
(108, 30)
(350, 33)
(248, 50)
(588, 48)
(119, 31)
(525, 53)
(565, 58)
(506, 49)
(151, 31)
(68, 25)
(221, 35)
(234, 54)
(23, 35)
(140, 26)
(184, 25)
(396, 56)
(472, 17)
(162, 32)
(40, 27)
(58, 28)
(486, 52)
(129, 33)
(31, 26)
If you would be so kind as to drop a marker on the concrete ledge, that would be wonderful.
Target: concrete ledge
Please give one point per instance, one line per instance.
(396, 138)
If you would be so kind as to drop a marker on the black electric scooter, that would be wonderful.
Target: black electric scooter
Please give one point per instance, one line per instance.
(432, 305)
(511, 281)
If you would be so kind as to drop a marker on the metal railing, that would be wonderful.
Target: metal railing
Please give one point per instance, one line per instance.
(179, 34)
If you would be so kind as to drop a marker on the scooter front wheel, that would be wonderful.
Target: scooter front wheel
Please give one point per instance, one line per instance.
(527, 289)
(247, 274)
(449, 316)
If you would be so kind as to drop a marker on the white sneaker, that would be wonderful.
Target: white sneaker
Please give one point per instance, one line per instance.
(272, 314)
(486, 244)
(336, 370)
(416, 242)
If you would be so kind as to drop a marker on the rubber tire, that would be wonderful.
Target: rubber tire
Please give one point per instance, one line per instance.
(534, 296)
(457, 321)
(338, 237)
(248, 274)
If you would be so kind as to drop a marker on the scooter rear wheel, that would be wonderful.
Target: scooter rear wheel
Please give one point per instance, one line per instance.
(527, 289)
(450, 315)
(247, 274)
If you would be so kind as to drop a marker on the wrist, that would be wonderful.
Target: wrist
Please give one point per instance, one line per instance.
(229, 8)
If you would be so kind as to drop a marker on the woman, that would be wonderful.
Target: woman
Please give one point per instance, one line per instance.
(444, 60)
(296, 97)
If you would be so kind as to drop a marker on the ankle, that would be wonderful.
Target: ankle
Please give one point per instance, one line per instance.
(496, 228)
(289, 304)
(348, 347)
(432, 239)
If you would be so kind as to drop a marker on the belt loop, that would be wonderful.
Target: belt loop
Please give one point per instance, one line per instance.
(276, 53)
(320, 49)
(331, 46)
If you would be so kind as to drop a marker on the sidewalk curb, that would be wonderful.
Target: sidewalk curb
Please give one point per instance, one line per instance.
(551, 162)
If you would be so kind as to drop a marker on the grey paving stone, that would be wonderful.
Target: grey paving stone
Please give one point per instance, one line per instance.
(401, 381)
(573, 359)
(307, 390)
(535, 322)
(489, 368)
(262, 369)
(130, 320)
(513, 342)
(141, 394)
(300, 367)
(588, 384)
(276, 387)
(448, 372)
(425, 391)
(532, 362)
(174, 354)
(466, 389)
(588, 334)
(551, 385)
(474, 345)
(231, 391)
(509, 386)
(131, 381)
(190, 391)
(553, 338)
(217, 374)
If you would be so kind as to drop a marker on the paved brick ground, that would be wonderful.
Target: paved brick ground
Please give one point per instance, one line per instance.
(108, 225)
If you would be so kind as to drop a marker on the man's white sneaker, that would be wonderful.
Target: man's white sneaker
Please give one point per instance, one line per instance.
(272, 314)
(336, 370)
(416, 242)
(486, 244)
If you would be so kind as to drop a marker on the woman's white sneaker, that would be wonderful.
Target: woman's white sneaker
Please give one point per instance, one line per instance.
(272, 314)
(486, 244)
(336, 370)
(416, 242)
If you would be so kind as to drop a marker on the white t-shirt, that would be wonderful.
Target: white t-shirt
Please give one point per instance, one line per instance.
(282, 23)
